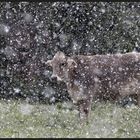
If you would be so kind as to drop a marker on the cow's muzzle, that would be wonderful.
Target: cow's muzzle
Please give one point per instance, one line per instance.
(56, 78)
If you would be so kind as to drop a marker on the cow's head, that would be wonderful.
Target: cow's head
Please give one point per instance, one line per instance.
(61, 66)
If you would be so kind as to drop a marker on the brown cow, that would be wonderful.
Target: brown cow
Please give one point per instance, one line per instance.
(111, 76)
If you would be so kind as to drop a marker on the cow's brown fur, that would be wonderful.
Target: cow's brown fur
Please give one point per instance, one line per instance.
(108, 76)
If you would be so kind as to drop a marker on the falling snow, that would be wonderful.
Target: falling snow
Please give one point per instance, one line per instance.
(31, 34)
(26, 109)
(4, 30)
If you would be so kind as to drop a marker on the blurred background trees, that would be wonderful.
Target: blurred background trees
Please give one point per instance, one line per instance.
(32, 32)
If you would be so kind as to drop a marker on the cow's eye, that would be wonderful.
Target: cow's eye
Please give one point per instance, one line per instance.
(63, 64)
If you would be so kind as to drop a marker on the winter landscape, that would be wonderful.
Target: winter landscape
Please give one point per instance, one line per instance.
(32, 104)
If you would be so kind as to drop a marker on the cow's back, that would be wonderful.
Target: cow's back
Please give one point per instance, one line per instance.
(112, 73)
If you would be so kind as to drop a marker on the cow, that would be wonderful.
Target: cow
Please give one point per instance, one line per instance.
(112, 76)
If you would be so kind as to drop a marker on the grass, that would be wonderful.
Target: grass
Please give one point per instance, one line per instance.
(19, 119)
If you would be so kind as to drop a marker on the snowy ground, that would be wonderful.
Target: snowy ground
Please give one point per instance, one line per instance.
(19, 119)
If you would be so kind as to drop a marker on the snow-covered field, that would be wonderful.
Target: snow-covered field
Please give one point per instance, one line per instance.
(20, 119)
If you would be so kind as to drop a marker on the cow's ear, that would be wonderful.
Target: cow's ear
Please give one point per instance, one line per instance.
(71, 63)
(49, 63)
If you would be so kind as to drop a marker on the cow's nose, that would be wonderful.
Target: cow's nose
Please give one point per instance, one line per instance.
(54, 78)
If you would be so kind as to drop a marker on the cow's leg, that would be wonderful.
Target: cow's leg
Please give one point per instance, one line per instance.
(87, 109)
(84, 108)
(82, 111)
(119, 98)
(138, 94)
(80, 105)
(138, 100)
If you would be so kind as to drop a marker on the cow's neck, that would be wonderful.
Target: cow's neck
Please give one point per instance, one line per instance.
(70, 82)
